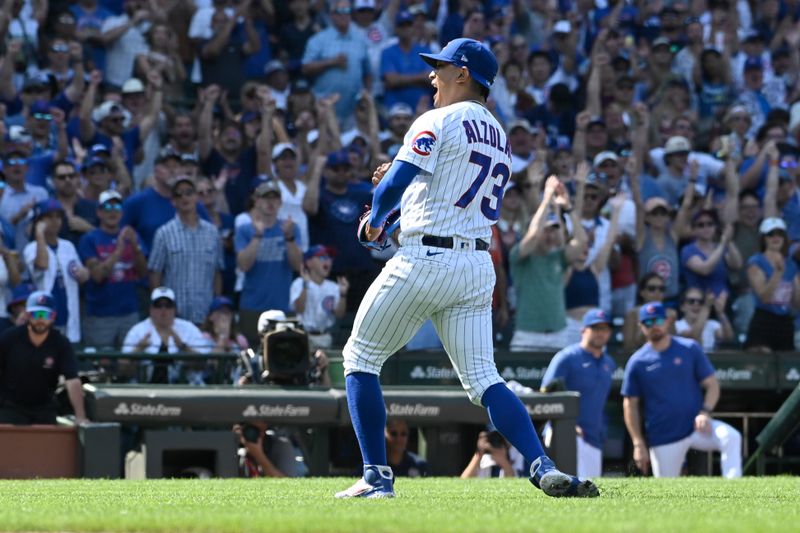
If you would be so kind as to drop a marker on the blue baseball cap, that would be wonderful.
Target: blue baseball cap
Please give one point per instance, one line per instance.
(592, 317)
(753, 63)
(99, 148)
(651, 310)
(40, 301)
(94, 162)
(219, 302)
(19, 294)
(463, 52)
(318, 250)
(338, 158)
(45, 207)
(41, 107)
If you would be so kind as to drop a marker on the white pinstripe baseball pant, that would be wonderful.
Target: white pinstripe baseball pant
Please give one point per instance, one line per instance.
(451, 287)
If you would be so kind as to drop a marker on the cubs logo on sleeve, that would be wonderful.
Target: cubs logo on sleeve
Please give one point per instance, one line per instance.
(423, 143)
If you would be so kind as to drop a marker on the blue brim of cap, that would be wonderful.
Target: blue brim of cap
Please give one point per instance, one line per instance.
(431, 60)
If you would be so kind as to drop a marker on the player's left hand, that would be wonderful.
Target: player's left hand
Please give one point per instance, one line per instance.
(702, 423)
(369, 237)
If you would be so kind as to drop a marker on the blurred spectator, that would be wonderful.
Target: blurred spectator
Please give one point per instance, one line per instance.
(79, 212)
(187, 255)
(337, 59)
(267, 252)
(110, 120)
(222, 333)
(404, 463)
(746, 239)
(15, 308)
(123, 36)
(285, 161)
(116, 264)
(586, 368)
(19, 197)
(161, 54)
(151, 208)
(97, 178)
(657, 237)
(404, 73)
(219, 327)
(209, 198)
(775, 281)
(317, 300)
(54, 266)
(494, 457)
(295, 33)
(582, 278)
(89, 18)
(697, 323)
(227, 155)
(651, 288)
(163, 333)
(704, 262)
(537, 268)
(34, 356)
(333, 209)
(223, 55)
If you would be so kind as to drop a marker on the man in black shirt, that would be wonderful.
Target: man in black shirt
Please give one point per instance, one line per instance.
(32, 357)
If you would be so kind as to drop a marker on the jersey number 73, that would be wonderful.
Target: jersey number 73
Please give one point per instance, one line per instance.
(500, 170)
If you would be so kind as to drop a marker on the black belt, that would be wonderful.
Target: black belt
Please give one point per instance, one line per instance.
(447, 242)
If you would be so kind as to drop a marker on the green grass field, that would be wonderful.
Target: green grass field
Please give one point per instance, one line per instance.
(436, 504)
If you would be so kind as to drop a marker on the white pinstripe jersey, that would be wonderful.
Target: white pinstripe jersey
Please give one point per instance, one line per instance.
(466, 163)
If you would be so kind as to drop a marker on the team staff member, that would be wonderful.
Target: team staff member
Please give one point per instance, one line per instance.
(676, 381)
(32, 357)
(586, 367)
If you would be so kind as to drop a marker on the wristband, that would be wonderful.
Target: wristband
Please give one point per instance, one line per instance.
(705, 410)
(289, 239)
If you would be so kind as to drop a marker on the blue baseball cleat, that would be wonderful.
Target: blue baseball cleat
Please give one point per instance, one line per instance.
(378, 482)
(553, 482)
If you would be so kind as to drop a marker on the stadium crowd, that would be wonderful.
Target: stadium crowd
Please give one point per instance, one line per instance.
(171, 169)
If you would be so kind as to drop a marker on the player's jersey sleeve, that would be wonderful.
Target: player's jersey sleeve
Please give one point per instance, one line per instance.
(630, 383)
(702, 366)
(557, 369)
(422, 143)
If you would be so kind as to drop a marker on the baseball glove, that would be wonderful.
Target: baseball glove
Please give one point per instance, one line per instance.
(391, 225)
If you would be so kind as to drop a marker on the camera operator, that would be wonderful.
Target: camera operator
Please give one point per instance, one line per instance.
(494, 457)
(266, 453)
(255, 370)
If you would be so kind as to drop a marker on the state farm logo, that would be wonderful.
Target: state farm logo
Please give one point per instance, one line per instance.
(416, 409)
(522, 372)
(271, 410)
(545, 409)
(433, 372)
(734, 374)
(146, 409)
(793, 375)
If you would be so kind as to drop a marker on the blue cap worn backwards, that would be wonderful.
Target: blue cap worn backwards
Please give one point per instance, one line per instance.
(478, 59)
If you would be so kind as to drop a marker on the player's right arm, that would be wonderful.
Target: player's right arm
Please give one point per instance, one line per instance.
(389, 192)
(633, 421)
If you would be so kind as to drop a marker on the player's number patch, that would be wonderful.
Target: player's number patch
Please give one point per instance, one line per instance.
(500, 170)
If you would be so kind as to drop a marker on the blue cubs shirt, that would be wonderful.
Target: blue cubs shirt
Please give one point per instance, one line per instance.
(591, 376)
(668, 383)
(116, 296)
(266, 284)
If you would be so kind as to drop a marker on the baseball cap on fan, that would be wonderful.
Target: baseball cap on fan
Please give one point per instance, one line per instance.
(162, 292)
(463, 52)
(40, 301)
